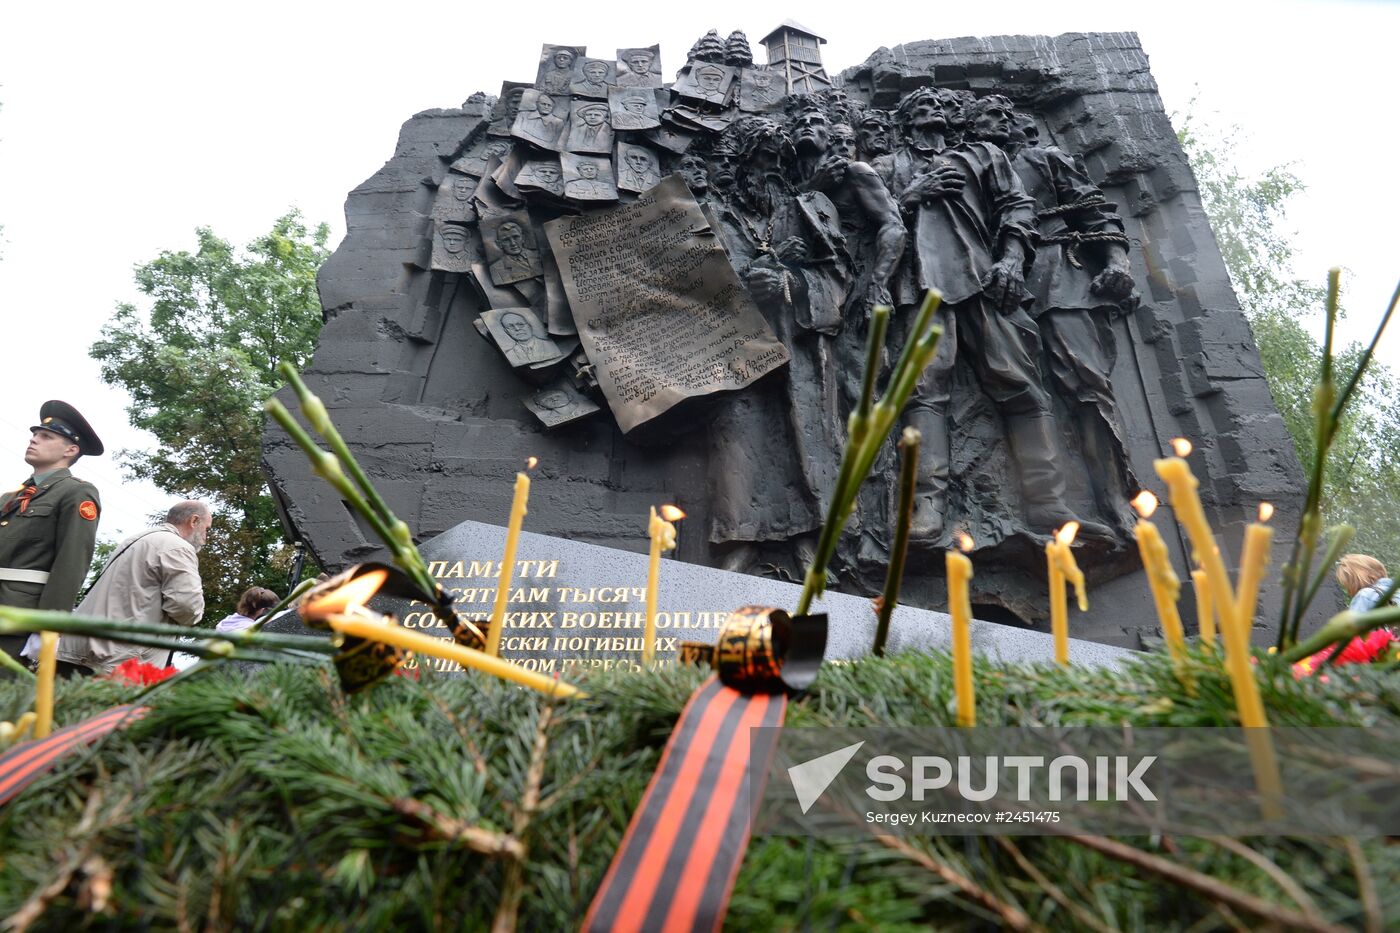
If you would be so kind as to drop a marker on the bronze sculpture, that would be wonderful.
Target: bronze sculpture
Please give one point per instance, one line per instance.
(973, 229)
(788, 185)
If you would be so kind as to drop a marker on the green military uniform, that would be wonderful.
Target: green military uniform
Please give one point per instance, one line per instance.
(48, 529)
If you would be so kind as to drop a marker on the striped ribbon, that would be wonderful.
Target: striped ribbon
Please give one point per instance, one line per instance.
(678, 861)
(27, 762)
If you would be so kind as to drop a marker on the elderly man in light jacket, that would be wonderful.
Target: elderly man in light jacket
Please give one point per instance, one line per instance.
(152, 577)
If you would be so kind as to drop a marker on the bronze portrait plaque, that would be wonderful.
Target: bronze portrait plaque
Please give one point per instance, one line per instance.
(507, 107)
(474, 161)
(705, 81)
(452, 250)
(760, 90)
(454, 199)
(541, 175)
(639, 67)
(634, 108)
(593, 77)
(541, 119)
(588, 178)
(521, 337)
(638, 168)
(560, 403)
(589, 130)
(511, 251)
(558, 64)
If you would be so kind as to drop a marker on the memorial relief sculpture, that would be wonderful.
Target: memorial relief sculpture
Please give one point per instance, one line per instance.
(538, 121)
(588, 179)
(556, 71)
(589, 131)
(595, 79)
(509, 250)
(521, 337)
(676, 281)
(455, 199)
(639, 67)
(560, 403)
(543, 175)
(638, 168)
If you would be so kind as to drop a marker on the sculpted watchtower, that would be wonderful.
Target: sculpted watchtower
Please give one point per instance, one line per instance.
(795, 51)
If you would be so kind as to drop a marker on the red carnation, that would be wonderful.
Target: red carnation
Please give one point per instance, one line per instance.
(136, 671)
(1361, 650)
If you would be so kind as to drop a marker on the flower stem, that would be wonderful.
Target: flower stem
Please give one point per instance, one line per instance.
(868, 434)
(899, 548)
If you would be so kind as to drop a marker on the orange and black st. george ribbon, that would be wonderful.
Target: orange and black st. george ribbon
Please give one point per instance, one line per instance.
(28, 761)
(678, 860)
(20, 502)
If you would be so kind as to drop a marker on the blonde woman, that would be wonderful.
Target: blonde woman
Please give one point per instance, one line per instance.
(1365, 580)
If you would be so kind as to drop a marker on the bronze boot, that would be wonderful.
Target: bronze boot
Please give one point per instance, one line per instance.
(1033, 439)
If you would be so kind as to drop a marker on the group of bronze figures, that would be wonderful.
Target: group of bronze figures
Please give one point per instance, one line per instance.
(827, 207)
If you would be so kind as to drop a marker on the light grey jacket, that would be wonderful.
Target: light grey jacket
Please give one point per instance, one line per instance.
(152, 577)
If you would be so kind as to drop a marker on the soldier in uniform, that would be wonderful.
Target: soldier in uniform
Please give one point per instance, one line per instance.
(48, 526)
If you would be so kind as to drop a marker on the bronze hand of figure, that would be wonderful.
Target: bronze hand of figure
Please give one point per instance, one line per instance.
(1114, 283)
(829, 173)
(940, 181)
(766, 280)
(793, 250)
(1005, 284)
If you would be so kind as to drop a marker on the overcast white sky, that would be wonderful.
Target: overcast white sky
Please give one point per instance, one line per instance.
(126, 125)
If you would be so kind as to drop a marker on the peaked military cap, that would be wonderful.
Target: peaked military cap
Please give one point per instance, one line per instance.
(62, 418)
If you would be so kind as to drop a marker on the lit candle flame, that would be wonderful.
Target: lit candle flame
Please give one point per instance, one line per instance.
(353, 593)
(1266, 511)
(1066, 534)
(532, 462)
(965, 542)
(671, 513)
(1146, 503)
(1182, 446)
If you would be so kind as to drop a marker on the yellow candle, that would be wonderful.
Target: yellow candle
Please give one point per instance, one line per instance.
(1166, 590)
(23, 724)
(1070, 568)
(498, 611)
(1205, 610)
(663, 538)
(1063, 568)
(1254, 563)
(959, 570)
(391, 633)
(1175, 472)
(43, 690)
(1059, 604)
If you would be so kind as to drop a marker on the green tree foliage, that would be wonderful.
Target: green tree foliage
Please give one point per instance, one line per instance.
(198, 366)
(1248, 214)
